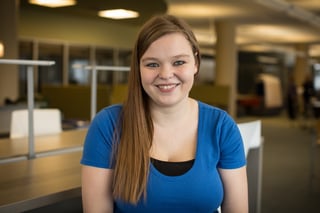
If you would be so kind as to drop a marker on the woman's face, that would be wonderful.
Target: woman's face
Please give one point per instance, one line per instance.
(167, 70)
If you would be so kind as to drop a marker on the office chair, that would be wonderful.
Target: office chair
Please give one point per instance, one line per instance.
(251, 134)
(253, 144)
(46, 121)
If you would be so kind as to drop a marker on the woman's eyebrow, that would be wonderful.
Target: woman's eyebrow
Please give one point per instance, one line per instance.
(182, 56)
(156, 59)
(149, 59)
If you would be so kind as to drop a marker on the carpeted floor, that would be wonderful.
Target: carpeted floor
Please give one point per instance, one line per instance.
(286, 183)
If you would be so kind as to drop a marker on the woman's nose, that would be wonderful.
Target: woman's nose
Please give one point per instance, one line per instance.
(166, 72)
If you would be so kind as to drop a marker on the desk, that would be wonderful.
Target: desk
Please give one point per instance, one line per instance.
(66, 141)
(30, 184)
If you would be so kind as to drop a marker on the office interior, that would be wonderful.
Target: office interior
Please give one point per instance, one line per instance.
(250, 49)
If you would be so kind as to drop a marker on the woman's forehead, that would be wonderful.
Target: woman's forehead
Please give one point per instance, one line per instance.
(173, 42)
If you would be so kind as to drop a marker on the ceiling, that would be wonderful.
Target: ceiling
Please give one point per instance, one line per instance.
(260, 27)
(268, 25)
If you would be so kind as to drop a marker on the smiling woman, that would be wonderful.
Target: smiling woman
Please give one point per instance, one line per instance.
(132, 149)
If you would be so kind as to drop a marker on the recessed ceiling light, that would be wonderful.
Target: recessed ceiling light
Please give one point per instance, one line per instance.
(118, 14)
(53, 3)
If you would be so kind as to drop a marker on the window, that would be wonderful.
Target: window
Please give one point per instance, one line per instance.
(50, 74)
(104, 57)
(123, 59)
(78, 58)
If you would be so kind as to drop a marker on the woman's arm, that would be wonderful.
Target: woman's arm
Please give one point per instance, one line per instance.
(97, 190)
(235, 190)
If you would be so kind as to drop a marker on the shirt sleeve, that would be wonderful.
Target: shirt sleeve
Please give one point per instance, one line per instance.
(232, 153)
(98, 144)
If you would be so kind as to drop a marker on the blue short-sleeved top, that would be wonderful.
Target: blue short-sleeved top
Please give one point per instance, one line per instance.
(219, 145)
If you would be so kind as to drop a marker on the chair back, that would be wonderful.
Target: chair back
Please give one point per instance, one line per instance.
(46, 121)
(251, 134)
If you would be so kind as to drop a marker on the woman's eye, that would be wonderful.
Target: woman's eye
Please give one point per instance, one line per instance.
(152, 65)
(177, 63)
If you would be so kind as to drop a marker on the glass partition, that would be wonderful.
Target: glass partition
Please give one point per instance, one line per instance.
(104, 57)
(51, 74)
(70, 63)
(123, 59)
(79, 56)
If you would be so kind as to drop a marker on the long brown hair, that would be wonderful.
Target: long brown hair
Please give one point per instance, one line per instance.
(132, 153)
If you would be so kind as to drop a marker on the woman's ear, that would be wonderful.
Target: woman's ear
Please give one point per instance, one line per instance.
(196, 63)
(196, 70)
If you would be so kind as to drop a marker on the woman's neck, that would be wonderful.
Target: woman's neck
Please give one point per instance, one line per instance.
(173, 115)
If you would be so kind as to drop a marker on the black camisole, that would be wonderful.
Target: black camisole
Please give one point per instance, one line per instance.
(172, 168)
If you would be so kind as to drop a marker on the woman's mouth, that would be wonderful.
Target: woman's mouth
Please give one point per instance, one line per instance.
(167, 87)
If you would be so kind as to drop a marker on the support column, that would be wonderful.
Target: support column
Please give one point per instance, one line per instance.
(301, 68)
(65, 66)
(9, 75)
(302, 72)
(226, 61)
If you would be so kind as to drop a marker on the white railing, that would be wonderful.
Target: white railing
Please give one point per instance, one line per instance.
(94, 73)
(30, 94)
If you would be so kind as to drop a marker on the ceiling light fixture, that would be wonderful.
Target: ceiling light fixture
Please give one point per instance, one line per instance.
(118, 14)
(53, 3)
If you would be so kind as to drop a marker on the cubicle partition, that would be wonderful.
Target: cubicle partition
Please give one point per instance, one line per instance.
(86, 99)
(216, 95)
(74, 101)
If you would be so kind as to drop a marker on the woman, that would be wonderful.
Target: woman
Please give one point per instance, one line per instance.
(162, 151)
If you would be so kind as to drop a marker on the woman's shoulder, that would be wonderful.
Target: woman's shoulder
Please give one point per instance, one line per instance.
(111, 109)
(111, 112)
(206, 108)
(213, 114)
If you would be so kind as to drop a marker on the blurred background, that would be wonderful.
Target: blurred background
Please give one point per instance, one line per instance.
(260, 60)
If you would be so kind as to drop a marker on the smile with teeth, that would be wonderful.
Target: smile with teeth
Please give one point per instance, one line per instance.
(166, 86)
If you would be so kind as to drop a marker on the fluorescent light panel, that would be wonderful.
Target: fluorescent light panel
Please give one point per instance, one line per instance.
(118, 14)
(53, 3)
